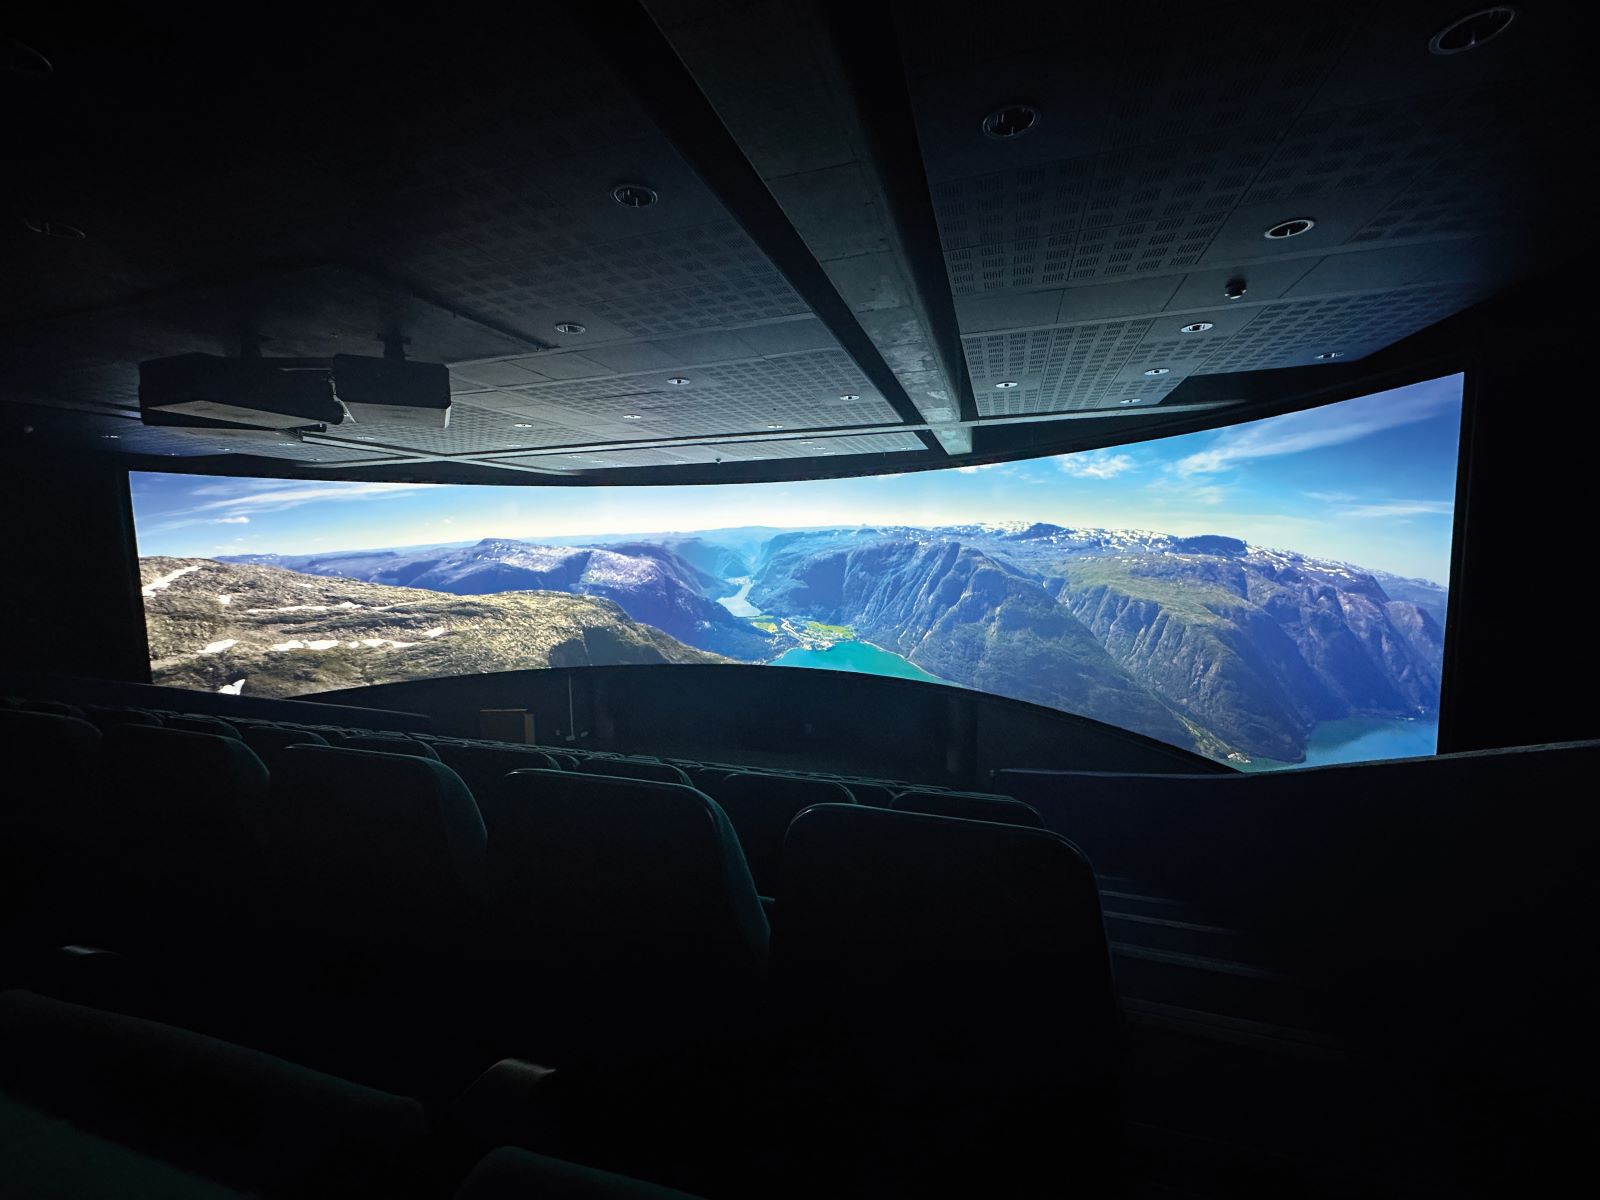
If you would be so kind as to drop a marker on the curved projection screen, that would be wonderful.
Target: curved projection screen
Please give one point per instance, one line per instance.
(1268, 593)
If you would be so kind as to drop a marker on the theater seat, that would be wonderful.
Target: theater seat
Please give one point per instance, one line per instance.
(761, 807)
(95, 1104)
(105, 718)
(376, 870)
(49, 760)
(511, 1174)
(270, 741)
(630, 910)
(948, 986)
(376, 848)
(198, 724)
(180, 816)
(971, 806)
(483, 767)
(625, 768)
(387, 743)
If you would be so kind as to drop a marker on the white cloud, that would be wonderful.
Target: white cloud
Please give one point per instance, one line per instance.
(1399, 508)
(1330, 497)
(1097, 464)
(1319, 428)
(975, 468)
(295, 495)
(232, 521)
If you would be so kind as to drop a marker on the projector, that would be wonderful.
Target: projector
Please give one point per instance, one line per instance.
(393, 391)
(251, 392)
(209, 391)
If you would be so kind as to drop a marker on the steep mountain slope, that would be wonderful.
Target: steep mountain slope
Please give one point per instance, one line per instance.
(1254, 646)
(213, 624)
(650, 583)
(966, 617)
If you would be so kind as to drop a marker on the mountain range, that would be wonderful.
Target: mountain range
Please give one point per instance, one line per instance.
(1203, 641)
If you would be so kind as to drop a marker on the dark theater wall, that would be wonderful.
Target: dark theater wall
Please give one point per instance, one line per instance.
(70, 603)
(1522, 652)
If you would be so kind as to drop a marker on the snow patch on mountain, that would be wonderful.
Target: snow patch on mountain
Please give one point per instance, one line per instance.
(165, 581)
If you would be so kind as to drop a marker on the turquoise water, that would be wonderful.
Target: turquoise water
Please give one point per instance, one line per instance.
(1358, 739)
(855, 656)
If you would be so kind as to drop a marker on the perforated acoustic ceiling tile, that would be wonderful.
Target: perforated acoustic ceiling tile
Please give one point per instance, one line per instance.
(657, 456)
(1289, 332)
(1060, 370)
(471, 428)
(805, 390)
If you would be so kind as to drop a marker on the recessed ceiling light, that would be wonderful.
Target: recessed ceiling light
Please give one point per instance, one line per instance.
(362, 437)
(288, 443)
(1329, 355)
(1291, 228)
(1132, 400)
(632, 417)
(571, 327)
(1234, 289)
(1473, 30)
(521, 425)
(1011, 121)
(1159, 371)
(678, 381)
(112, 436)
(55, 229)
(778, 427)
(1197, 327)
(850, 396)
(634, 195)
(1008, 383)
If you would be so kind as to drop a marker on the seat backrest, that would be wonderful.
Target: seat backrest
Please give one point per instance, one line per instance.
(198, 724)
(374, 849)
(44, 818)
(761, 807)
(970, 806)
(247, 1120)
(871, 791)
(513, 1174)
(55, 708)
(948, 929)
(631, 902)
(388, 743)
(483, 767)
(628, 768)
(181, 816)
(106, 717)
(626, 869)
(270, 741)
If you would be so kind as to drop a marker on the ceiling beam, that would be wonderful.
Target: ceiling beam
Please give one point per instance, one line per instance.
(823, 117)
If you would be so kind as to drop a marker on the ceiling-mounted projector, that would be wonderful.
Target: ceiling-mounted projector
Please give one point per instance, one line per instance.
(251, 392)
(208, 391)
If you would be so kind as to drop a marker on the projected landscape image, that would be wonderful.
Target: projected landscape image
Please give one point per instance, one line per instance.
(1269, 593)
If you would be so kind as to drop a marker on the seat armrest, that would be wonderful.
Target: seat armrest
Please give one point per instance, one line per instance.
(513, 1103)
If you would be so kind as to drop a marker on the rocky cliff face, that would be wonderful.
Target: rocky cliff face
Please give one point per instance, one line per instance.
(954, 611)
(212, 625)
(1205, 634)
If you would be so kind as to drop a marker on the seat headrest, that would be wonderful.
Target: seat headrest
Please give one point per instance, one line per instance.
(649, 861)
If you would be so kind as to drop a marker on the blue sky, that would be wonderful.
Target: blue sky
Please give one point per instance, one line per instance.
(1369, 481)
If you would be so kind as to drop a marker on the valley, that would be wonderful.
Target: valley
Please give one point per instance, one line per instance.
(1237, 651)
